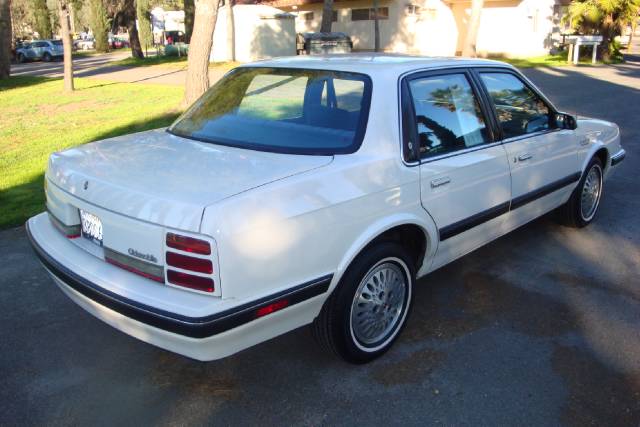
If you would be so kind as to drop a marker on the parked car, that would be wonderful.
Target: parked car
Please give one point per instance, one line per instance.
(84, 44)
(45, 50)
(311, 190)
(118, 42)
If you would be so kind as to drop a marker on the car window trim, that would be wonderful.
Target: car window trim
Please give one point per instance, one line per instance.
(477, 92)
(359, 135)
(477, 71)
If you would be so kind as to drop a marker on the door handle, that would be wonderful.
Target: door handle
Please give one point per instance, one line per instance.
(440, 182)
(525, 156)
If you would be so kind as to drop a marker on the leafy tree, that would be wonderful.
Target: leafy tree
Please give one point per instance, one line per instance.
(189, 14)
(604, 17)
(41, 19)
(65, 32)
(144, 22)
(99, 24)
(5, 39)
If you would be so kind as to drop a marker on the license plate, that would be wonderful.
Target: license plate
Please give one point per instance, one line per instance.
(91, 227)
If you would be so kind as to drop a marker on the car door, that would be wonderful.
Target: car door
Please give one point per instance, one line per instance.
(543, 157)
(464, 171)
(37, 49)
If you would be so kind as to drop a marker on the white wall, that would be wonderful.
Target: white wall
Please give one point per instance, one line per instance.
(509, 27)
(260, 32)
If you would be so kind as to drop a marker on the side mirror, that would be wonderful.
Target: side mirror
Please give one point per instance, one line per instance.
(565, 121)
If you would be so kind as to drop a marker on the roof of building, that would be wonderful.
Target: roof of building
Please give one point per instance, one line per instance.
(369, 62)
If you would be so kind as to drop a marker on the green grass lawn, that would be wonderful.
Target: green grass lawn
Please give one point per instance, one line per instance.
(38, 119)
(559, 60)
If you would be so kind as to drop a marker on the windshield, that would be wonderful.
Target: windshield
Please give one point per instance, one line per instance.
(282, 110)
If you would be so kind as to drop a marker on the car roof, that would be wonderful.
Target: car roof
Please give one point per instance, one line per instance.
(373, 62)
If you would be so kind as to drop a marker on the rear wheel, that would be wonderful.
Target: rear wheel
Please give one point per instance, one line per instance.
(20, 58)
(583, 205)
(369, 308)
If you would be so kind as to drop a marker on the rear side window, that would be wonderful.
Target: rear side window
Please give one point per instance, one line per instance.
(293, 111)
(448, 114)
(520, 110)
(57, 42)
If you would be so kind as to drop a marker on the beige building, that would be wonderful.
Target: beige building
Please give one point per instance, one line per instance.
(515, 28)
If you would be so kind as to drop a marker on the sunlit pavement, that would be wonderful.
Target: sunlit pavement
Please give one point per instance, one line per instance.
(541, 327)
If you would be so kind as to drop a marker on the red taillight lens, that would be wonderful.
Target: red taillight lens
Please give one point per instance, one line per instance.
(190, 281)
(268, 309)
(189, 263)
(188, 244)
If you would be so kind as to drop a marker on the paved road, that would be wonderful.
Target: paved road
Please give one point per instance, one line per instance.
(541, 327)
(101, 67)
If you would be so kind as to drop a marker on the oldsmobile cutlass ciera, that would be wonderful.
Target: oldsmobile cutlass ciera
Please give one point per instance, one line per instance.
(311, 190)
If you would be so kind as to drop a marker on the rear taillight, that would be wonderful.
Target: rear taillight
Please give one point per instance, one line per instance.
(193, 261)
(188, 244)
(191, 281)
(186, 262)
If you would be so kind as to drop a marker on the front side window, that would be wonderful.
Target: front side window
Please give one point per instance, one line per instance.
(284, 110)
(447, 114)
(520, 110)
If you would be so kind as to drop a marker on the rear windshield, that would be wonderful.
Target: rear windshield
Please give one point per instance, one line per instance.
(282, 110)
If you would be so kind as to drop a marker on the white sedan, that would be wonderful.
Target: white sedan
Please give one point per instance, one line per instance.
(311, 190)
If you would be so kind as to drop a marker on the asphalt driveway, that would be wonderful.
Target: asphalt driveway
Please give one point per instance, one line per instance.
(541, 327)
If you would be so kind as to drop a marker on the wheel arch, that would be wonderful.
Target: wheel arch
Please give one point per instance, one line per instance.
(418, 234)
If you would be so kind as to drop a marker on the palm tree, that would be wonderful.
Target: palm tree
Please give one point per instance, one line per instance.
(206, 12)
(327, 16)
(231, 31)
(469, 48)
(604, 17)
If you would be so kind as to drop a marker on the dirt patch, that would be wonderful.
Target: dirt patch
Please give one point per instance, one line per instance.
(412, 369)
(598, 396)
(469, 301)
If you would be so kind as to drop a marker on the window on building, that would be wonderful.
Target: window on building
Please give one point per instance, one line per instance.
(334, 16)
(307, 16)
(369, 14)
(413, 9)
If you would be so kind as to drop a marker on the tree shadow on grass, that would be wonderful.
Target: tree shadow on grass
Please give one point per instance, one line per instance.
(16, 82)
(22, 201)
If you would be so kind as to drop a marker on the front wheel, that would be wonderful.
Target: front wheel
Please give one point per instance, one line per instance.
(20, 58)
(369, 308)
(583, 205)
(46, 57)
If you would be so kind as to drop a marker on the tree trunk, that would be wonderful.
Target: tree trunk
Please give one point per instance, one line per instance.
(63, 13)
(134, 40)
(144, 23)
(231, 31)
(376, 27)
(327, 16)
(469, 48)
(99, 24)
(189, 11)
(200, 49)
(5, 39)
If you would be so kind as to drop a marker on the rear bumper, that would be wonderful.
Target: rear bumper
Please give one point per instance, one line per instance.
(204, 338)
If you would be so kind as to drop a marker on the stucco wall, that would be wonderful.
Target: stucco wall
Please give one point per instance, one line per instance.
(508, 27)
(431, 32)
(259, 33)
